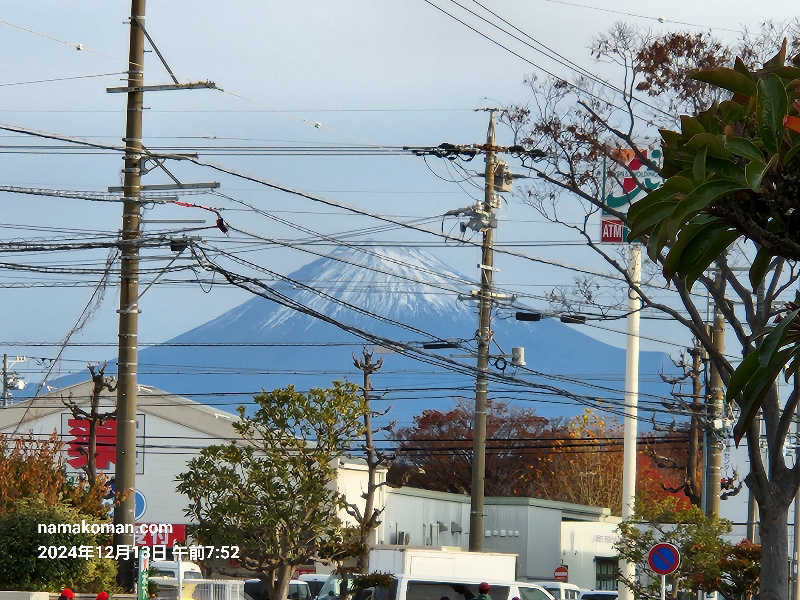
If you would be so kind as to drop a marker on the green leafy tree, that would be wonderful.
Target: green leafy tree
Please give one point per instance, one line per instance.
(273, 493)
(21, 567)
(733, 172)
(592, 140)
(708, 561)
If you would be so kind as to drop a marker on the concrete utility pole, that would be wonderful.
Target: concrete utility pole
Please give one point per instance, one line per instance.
(369, 518)
(717, 395)
(693, 466)
(125, 471)
(11, 380)
(5, 380)
(628, 569)
(484, 338)
(795, 572)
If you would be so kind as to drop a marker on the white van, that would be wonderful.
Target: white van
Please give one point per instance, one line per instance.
(298, 590)
(452, 588)
(169, 568)
(438, 574)
(561, 590)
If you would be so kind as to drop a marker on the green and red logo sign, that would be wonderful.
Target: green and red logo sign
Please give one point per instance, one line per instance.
(632, 179)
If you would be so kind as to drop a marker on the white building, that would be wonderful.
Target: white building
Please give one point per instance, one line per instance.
(171, 430)
(543, 533)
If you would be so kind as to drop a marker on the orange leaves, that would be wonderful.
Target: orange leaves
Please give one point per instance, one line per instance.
(35, 467)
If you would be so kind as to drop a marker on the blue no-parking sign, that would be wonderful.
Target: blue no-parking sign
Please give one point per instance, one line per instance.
(664, 558)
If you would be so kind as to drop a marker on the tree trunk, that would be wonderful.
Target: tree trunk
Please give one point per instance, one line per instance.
(91, 459)
(278, 588)
(774, 553)
(368, 521)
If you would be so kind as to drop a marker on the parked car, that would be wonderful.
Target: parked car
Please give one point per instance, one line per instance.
(599, 595)
(169, 568)
(298, 590)
(561, 590)
(315, 582)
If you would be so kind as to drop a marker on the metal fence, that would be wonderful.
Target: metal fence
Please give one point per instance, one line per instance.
(199, 589)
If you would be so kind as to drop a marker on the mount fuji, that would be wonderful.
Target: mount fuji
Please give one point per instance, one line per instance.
(263, 345)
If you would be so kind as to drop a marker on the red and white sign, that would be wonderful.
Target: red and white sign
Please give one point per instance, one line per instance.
(153, 537)
(561, 573)
(611, 230)
(78, 444)
(629, 180)
(75, 433)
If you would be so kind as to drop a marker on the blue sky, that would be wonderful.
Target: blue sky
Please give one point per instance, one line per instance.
(270, 57)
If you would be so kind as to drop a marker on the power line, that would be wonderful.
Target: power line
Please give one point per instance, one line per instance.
(61, 79)
(530, 62)
(640, 16)
(555, 56)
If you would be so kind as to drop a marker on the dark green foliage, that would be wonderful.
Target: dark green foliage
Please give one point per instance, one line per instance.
(20, 565)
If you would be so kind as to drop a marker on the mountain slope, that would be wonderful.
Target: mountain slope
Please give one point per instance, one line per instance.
(263, 345)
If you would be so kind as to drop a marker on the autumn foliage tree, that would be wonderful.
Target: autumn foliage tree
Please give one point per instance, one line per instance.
(577, 460)
(436, 452)
(31, 467)
(708, 561)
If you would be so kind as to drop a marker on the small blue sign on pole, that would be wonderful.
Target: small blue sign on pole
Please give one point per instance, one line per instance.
(664, 558)
(140, 505)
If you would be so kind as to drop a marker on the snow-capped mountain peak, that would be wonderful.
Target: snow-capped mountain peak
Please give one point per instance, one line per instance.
(399, 283)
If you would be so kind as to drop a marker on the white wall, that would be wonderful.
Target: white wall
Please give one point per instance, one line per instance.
(160, 465)
(581, 543)
(351, 480)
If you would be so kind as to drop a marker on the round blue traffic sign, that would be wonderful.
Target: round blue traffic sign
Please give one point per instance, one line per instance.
(140, 505)
(664, 558)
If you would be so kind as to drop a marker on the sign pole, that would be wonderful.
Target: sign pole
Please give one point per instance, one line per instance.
(663, 559)
(142, 581)
(629, 450)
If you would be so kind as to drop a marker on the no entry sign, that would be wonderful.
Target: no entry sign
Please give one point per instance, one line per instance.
(561, 573)
(664, 558)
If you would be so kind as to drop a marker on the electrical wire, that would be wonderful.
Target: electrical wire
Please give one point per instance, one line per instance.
(85, 314)
(641, 16)
(556, 57)
(61, 79)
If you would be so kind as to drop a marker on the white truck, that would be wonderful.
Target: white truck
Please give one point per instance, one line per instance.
(446, 573)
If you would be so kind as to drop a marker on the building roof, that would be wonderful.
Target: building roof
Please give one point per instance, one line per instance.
(170, 407)
(569, 511)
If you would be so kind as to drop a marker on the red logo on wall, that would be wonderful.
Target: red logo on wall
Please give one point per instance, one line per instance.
(146, 538)
(78, 446)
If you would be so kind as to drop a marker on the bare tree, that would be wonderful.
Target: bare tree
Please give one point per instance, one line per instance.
(94, 417)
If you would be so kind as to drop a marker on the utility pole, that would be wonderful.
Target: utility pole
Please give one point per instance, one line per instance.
(486, 269)
(369, 518)
(125, 471)
(5, 380)
(795, 573)
(693, 467)
(11, 379)
(628, 569)
(717, 395)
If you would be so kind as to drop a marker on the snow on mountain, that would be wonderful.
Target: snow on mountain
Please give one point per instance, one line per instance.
(263, 345)
(398, 283)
